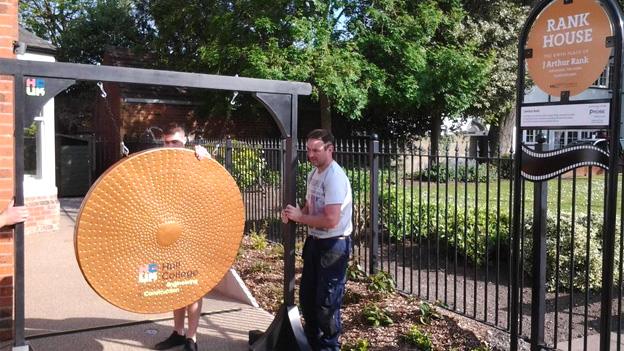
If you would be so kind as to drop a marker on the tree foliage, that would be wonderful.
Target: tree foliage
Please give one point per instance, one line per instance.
(397, 66)
(106, 24)
(495, 26)
(83, 29)
(50, 18)
(300, 40)
(428, 68)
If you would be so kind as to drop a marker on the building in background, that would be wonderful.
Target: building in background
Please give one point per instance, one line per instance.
(40, 191)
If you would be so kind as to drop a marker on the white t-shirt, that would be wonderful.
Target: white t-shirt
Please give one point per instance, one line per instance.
(330, 187)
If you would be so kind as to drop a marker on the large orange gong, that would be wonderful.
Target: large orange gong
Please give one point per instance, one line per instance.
(158, 230)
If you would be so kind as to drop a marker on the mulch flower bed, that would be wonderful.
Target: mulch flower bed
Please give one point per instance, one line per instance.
(374, 317)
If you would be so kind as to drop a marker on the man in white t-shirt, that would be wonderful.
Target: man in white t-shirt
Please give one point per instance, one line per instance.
(327, 213)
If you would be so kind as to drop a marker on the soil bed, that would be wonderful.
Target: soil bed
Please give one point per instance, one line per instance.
(261, 267)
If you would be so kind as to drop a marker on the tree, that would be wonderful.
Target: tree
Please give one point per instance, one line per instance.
(429, 69)
(320, 52)
(411, 62)
(496, 25)
(106, 24)
(398, 63)
(292, 40)
(81, 30)
(48, 19)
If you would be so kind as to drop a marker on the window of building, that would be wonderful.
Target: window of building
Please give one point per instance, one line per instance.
(603, 80)
(559, 138)
(529, 136)
(586, 134)
(572, 136)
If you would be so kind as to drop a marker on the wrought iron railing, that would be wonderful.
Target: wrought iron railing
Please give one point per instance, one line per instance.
(441, 226)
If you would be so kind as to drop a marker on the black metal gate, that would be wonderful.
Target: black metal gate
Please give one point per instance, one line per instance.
(568, 233)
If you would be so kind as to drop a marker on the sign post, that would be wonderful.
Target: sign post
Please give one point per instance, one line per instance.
(565, 46)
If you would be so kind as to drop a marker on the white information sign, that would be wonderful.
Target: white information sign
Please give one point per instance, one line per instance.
(573, 115)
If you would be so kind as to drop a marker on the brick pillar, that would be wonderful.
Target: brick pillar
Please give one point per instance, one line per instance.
(8, 34)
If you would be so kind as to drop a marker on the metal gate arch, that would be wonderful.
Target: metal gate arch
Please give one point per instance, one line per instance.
(615, 16)
(280, 98)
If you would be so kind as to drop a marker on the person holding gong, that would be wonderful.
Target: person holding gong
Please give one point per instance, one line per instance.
(175, 136)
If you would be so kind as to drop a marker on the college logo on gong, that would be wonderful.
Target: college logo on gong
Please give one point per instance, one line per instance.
(148, 273)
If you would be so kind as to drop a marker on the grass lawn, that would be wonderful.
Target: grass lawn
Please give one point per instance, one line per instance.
(567, 192)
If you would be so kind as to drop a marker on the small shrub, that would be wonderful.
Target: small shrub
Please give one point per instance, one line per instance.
(381, 283)
(415, 337)
(359, 345)
(277, 250)
(462, 173)
(567, 246)
(248, 164)
(441, 304)
(303, 168)
(359, 179)
(355, 272)
(258, 240)
(375, 316)
(465, 230)
(260, 267)
(412, 219)
(428, 312)
(271, 177)
(351, 297)
(31, 131)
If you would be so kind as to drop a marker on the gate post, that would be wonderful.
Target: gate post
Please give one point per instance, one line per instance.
(544, 61)
(615, 120)
(538, 291)
(373, 158)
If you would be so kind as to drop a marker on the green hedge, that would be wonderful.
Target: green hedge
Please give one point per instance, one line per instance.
(464, 173)
(567, 242)
(472, 232)
(404, 218)
(249, 167)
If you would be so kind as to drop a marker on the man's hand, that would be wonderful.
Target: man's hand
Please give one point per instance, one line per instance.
(293, 213)
(201, 153)
(284, 217)
(12, 215)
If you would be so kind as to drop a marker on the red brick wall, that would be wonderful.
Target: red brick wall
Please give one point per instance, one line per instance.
(44, 214)
(137, 117)
(8, 34)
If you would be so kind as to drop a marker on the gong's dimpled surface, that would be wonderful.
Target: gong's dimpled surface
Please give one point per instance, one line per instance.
(158, 230)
